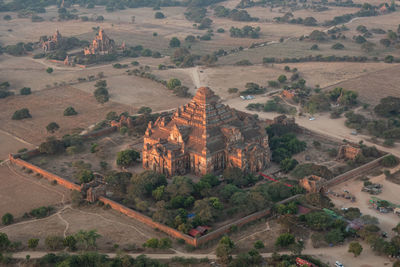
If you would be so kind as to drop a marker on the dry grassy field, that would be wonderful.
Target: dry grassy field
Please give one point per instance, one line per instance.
(375, 85)
(47, 106)
(20, 192)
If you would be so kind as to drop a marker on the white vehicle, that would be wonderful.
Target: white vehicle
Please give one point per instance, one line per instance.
(338, 264)
(354, 133)
(311, 119)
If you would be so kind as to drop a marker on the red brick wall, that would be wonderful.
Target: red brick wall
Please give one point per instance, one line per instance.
(148, 221)
(49, 176)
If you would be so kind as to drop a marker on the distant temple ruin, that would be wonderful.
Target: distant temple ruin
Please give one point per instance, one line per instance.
(205, 136)
(348, 152)
(50, 43)
(101, 44)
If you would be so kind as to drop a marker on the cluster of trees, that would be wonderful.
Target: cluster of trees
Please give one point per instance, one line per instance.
(101, 92)
(162, 243)
(283, 148)
(4, 90)
(18, 49)
(96, 259)
(273, 105)
(234, 14)
(183, 58)
(367, 10)
(289, 18)
(184, 204)
(318, 58)
(388, 127)
(370, 233)
(246, 32)
(176, 86)
(253, 89)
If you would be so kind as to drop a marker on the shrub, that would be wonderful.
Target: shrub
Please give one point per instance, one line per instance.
(389, 161)
(282, 78)
(52, 127)
(127, 157)
(174, 42)
(70, 111)
(41, 212)
(7, 219)
(159, 15)
(33, 243)
(54, 242)
(21, 114)
(258, 244)
(337, 46)
(85, 176)
(233, 90)
(49, 70)
(173, 82)
(25, 91)
(284, 240)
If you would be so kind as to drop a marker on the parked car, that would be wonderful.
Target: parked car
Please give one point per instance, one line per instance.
(338, 264)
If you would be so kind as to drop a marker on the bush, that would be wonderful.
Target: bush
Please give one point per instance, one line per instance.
(52, 127)
(173, 82)
(243, 62)
(159, 15)
(127, 157)
(314, 47)
(7, 219)
(41, 212)
(85, 176)
(258, 244)
(49, 70)
(233, 90)
(21, 114)
(389, 161)
(25, 91)
(338, 46)
(70, 111)
(284, 240)
(54, 242)
(33, 243)
(174, 42)
(282, 78)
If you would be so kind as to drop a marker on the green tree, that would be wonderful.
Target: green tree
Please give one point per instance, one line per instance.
(70, 242)
(174, 42)
(151, 243)
(49, 70)
(337, 46)
(7, 219)
(284, 240)
(173, 82)
(85, 176)
(258, 244)
(4, 242)
(159, 15)
(87, 238)
(25, 91)
(224, 249)
(127, 157)
(33, 243)
(355, 248)
(101, 93)
(52, 127)
(165, 243)
(282, 78)
(52, 146)
(144, 110)
(70, 111)
(21, 114)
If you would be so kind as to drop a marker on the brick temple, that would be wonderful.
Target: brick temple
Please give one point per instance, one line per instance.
(102, 44)
(205, 136)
